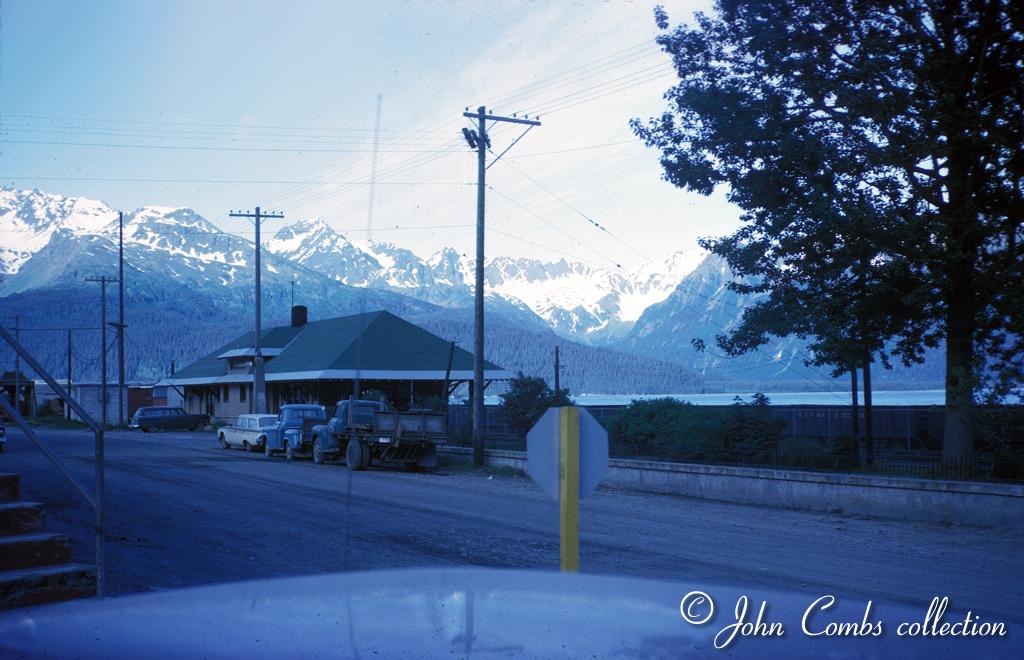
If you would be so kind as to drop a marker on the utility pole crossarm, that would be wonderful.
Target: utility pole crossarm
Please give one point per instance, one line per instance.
(513, 120)
(263, 215)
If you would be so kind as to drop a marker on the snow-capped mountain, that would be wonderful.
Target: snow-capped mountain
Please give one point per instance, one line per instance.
(702, 307)
(62, 240)
(29, 219)
(190, 288)
(583, 302)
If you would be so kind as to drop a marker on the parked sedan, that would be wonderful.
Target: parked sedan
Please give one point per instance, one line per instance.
(153, 418)
(248, 432)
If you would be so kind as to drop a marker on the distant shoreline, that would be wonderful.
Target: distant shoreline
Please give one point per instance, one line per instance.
(832, 398)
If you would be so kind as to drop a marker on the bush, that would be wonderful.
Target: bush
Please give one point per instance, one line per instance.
(750, 431)
(527, 398)
(662, 428)
(671, 429)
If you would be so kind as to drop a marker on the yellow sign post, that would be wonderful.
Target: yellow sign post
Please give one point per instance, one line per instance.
(569, 487)
(567, 455)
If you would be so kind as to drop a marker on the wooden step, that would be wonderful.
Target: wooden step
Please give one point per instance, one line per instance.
(47, 584)
(21, 518)
(10, 487)
(30, 550)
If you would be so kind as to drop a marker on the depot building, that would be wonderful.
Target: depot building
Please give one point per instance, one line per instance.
(319, 362)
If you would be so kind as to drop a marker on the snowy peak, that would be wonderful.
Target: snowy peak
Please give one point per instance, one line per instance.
(314, 244)
(301, 239)
(576, 299)
(183, 232)
(29, 219)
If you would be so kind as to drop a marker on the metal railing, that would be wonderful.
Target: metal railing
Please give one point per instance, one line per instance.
(95, 499)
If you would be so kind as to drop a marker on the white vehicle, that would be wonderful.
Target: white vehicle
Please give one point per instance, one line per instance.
(248, 432)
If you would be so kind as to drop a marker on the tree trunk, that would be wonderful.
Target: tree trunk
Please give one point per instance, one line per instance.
(855, 419)
(961, 308)
(958, 437)
(869, 433)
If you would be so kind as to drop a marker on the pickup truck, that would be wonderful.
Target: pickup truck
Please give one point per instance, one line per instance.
(293, 432)
(367, 430)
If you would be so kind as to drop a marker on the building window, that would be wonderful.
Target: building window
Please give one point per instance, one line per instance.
(224, 394)
(242, 391)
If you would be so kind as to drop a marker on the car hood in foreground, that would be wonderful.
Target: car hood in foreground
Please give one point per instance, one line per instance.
(479, 613)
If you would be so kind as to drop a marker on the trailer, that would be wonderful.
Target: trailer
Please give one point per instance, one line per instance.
(364, 431)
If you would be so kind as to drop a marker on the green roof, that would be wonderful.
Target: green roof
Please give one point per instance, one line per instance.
(377, 344)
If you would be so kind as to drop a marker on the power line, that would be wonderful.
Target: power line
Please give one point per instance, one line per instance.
(600, 65)
(578, 212)
(571, 149)
(230, 181)
(663, 67)
(205, 124)
(557, 228)
(206, 148)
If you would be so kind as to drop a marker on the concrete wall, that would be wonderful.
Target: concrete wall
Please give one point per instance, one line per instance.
(922, 500)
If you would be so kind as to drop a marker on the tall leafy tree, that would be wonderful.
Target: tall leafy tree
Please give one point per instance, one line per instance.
(527, 399)
(876, 150)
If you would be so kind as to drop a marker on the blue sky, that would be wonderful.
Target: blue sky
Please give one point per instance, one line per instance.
(219, 105)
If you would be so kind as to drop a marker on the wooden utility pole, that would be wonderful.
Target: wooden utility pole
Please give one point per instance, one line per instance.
(259, 392)
(67, 408)
(104, 281)
(17, 366)
(121, 394)
(558, 372)
(480, 141)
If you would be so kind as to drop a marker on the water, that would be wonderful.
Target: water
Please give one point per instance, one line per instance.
(878, 397)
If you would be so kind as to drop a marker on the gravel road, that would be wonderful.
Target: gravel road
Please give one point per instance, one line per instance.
(181, 512)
